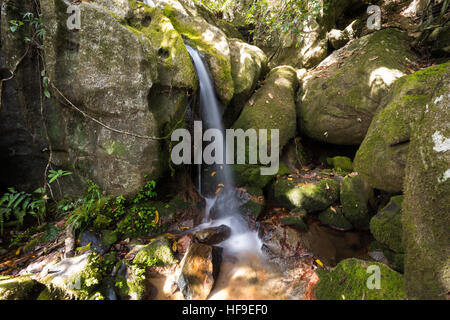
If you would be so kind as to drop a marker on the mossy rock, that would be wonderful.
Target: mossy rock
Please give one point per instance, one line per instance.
(158, 252)
(310, 196)
(209, 40)
(355, 196)
(386, 225)
(348, 281)
(382, 156)
(396, 260)
(426, 207)
(341, 96)
(296, 222)
(334, 218)
(246, 175)
(341, 163)
(130, 282)
(19, 288)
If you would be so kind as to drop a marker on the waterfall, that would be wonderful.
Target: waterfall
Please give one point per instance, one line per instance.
(220, 178)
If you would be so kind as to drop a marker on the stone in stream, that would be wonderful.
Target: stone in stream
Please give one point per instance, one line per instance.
(214, 235)
(20, 288)
(198, 271)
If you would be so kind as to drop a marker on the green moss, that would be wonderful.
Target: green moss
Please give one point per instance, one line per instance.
(334, 217)
(386, 226)
(396, 260)
(294, 193)
(102, 222)
(382, 156)
(355, 195)
(219, 65)
(158, 252)
(348, 281)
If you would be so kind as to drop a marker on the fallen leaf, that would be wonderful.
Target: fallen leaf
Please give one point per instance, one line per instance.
(213, 174)
(270, 95)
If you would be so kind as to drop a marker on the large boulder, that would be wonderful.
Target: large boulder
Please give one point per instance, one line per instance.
(22, 160)
(248, 64)
(113, 70)
(426, 206)
(340, 97)
(349, 279)
(382, 157)
(271, 107)
(386, 225)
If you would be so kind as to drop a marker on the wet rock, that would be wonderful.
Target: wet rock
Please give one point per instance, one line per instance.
(348, 281)
(334, 217)
(386, 225)
(158, 252)
(355, 196)
(199, 270)
(214, 235)
(20, 288)
(280, 241)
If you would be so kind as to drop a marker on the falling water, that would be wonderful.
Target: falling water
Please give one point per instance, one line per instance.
(225, 203)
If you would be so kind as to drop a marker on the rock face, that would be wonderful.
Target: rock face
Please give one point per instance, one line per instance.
(426, 206)
(386, 225)
(198, 271)
(348, 281)
(334, 217)
(340, 96)
(271, 107)
(382, 157)
(355, 196)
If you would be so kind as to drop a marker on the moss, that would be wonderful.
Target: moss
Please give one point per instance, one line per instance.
(295, 193)
(158, 252)
(102, 222)
(386, 226)
(425, 209)
(348, 281)
(20, 288)
(355, 195)
(334, 217)
(115, 148)
(339, 103)
(341, 163)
